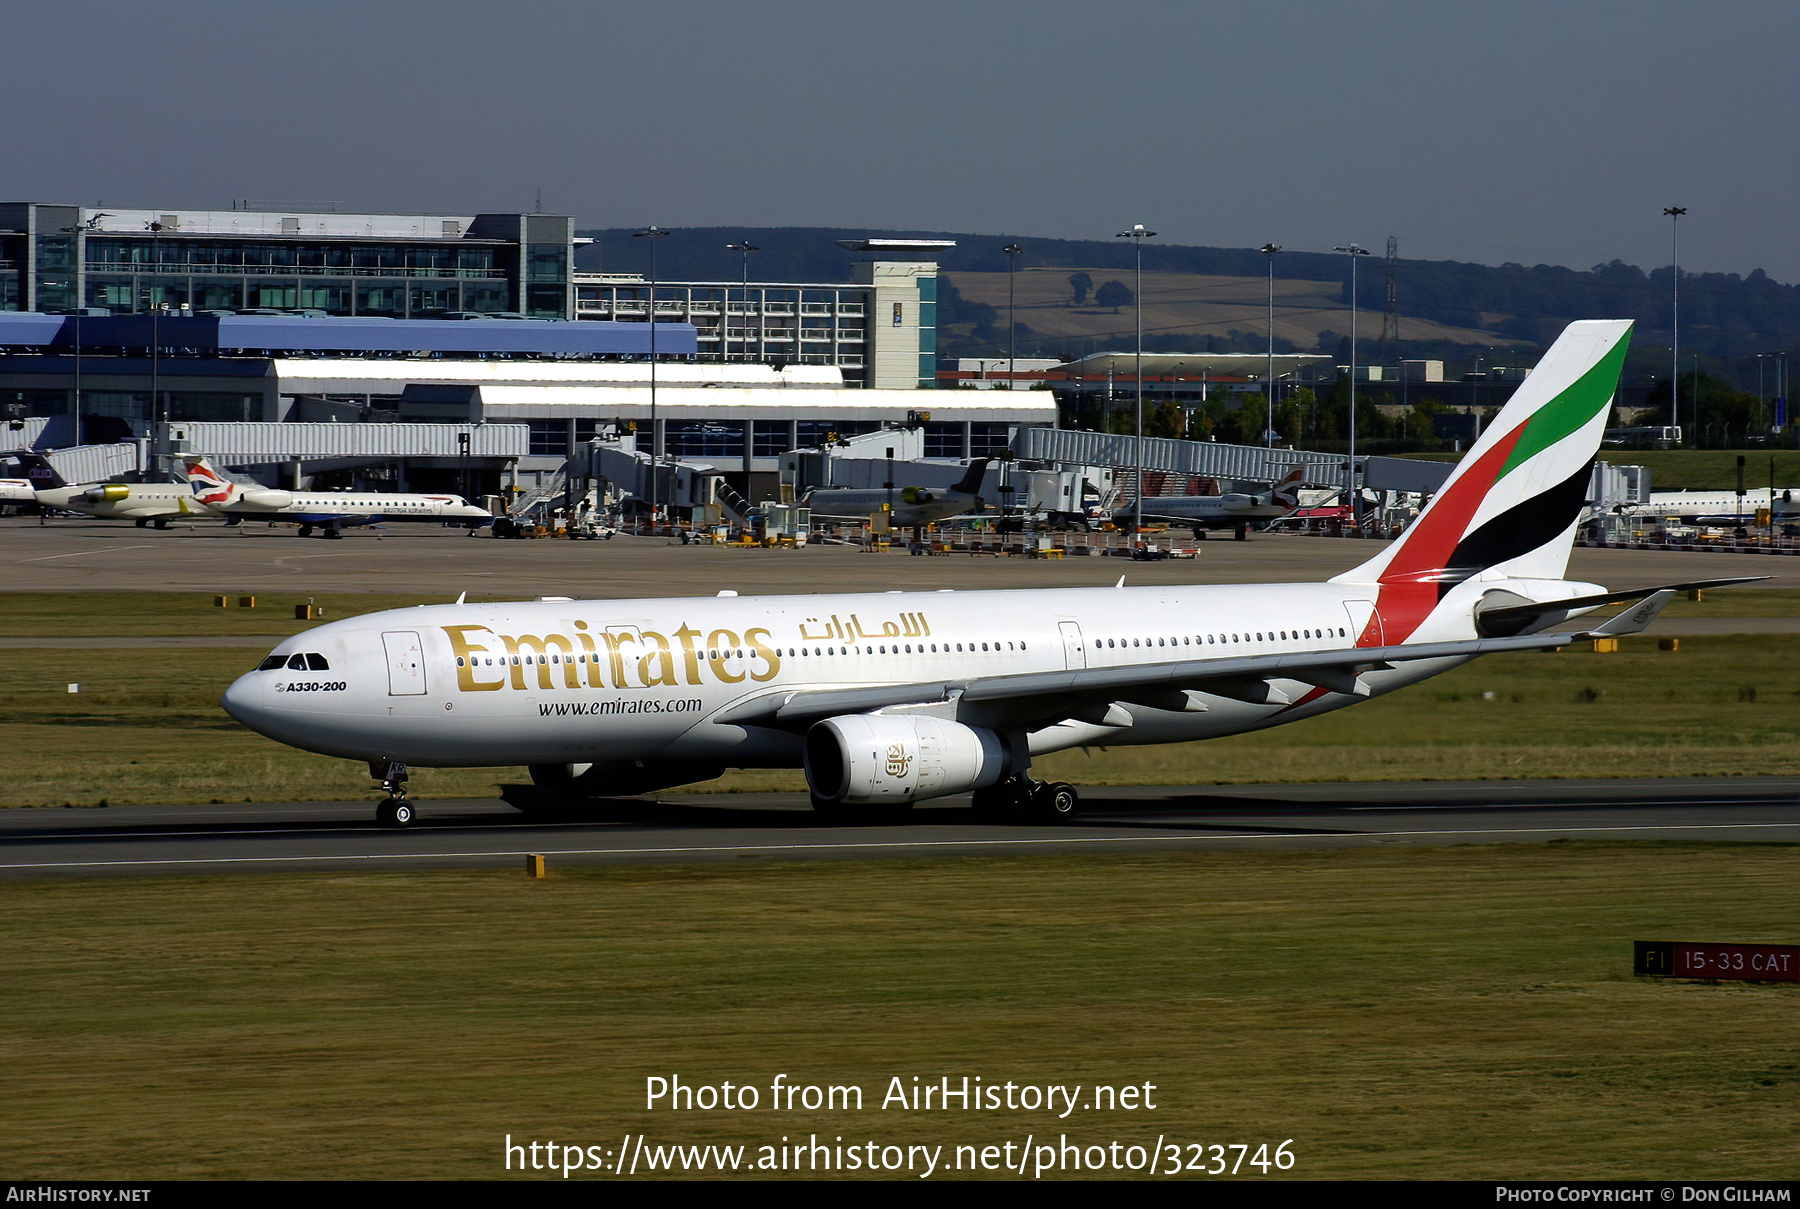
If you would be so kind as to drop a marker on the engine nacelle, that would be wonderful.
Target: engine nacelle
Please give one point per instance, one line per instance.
(270, 498)
(1237, 501)
(892, 758)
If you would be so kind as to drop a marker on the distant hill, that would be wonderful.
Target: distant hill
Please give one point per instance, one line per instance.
(1213, 297)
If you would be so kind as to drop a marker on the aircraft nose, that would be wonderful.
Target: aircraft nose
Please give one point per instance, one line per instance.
(244, 700)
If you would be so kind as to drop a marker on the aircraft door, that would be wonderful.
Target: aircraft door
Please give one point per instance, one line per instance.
(406, 663)
(1364, 620)
(1074, 650)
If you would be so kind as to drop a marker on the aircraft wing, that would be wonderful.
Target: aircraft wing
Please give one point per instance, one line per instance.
(1033, 699)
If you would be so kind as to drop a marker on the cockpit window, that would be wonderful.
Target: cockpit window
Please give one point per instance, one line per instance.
(297, 663)
(317, 663)
(271, 663)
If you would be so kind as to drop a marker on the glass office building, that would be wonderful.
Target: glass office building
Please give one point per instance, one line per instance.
(401, 266)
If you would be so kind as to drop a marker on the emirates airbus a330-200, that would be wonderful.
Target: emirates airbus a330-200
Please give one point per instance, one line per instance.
(891, 698)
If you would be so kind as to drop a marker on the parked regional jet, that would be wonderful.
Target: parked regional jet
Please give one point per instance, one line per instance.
(888, 699)
(1720, 509)
(146, 503)
(913, 506)
(1233, 510)
(328, 511)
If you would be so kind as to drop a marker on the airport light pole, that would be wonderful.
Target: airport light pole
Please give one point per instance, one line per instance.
(1270, 251)
(157, 419)
(746, 247)
(1675, 213)
(1353, 251)
(653, 233)
(1137, 235)
(1762, 401)
(75, 233)
(1012, 251)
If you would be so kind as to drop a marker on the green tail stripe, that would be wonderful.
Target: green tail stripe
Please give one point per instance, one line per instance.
(1570, 410)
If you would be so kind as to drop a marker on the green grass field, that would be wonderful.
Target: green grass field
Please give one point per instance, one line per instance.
(146, 728)
(1695, 469)
(1411, 1013)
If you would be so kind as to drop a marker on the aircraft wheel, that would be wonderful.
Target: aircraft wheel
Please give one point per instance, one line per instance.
(162, 524)
(1243, 533)
(1055, 802)
(305, 530)
(141, 522)
(333, 534)
(395, 812)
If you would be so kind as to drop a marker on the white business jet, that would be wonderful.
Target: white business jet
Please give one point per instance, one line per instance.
(889, 699)
(913, 506)
(1234, 510)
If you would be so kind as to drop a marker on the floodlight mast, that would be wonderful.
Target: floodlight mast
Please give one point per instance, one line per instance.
(1137, 235)
(653, 234)
(1353, 251)
(1270, 251)
(746, 247)
(1674, 214)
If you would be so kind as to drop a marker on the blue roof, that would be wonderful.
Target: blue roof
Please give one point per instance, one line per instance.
(300, 334)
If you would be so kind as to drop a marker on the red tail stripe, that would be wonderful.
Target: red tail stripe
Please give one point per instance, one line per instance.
(1406, 598)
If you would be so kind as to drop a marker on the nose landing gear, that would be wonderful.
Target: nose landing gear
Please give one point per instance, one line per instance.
(396, 810)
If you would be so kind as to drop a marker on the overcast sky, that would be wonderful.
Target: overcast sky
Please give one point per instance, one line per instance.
(1489, 132)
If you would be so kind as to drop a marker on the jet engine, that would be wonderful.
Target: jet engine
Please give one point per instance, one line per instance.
(894, 758)
(1236, 501)
(266, 498)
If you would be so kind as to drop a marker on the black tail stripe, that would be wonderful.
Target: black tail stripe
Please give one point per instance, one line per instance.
(1524, 527)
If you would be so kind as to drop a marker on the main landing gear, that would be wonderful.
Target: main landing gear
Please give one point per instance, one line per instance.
(395, 810)
(1019, 799)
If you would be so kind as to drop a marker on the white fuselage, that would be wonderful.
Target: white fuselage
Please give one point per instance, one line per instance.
(912, 506)
(128, 501)
(1719, 507)
(358, 507)
(1212, 511)
(599, 680)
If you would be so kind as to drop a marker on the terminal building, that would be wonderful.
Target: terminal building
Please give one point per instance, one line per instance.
(257, 336)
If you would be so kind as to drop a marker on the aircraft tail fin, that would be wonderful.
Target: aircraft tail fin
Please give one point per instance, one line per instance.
(1287, 492)
(1513, 501)
(208, 485)
(970, 483)
(38, 469)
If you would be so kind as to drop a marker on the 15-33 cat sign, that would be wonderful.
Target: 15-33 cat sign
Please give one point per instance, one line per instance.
(1740, 963)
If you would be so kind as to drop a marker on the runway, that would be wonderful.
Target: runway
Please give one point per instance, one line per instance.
(682, 829)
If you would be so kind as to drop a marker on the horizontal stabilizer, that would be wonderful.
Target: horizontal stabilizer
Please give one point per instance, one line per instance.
(1511, 618)
(1636, 619)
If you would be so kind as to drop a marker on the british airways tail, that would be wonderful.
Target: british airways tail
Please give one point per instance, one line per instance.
(1511, 506)
(207, 484)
